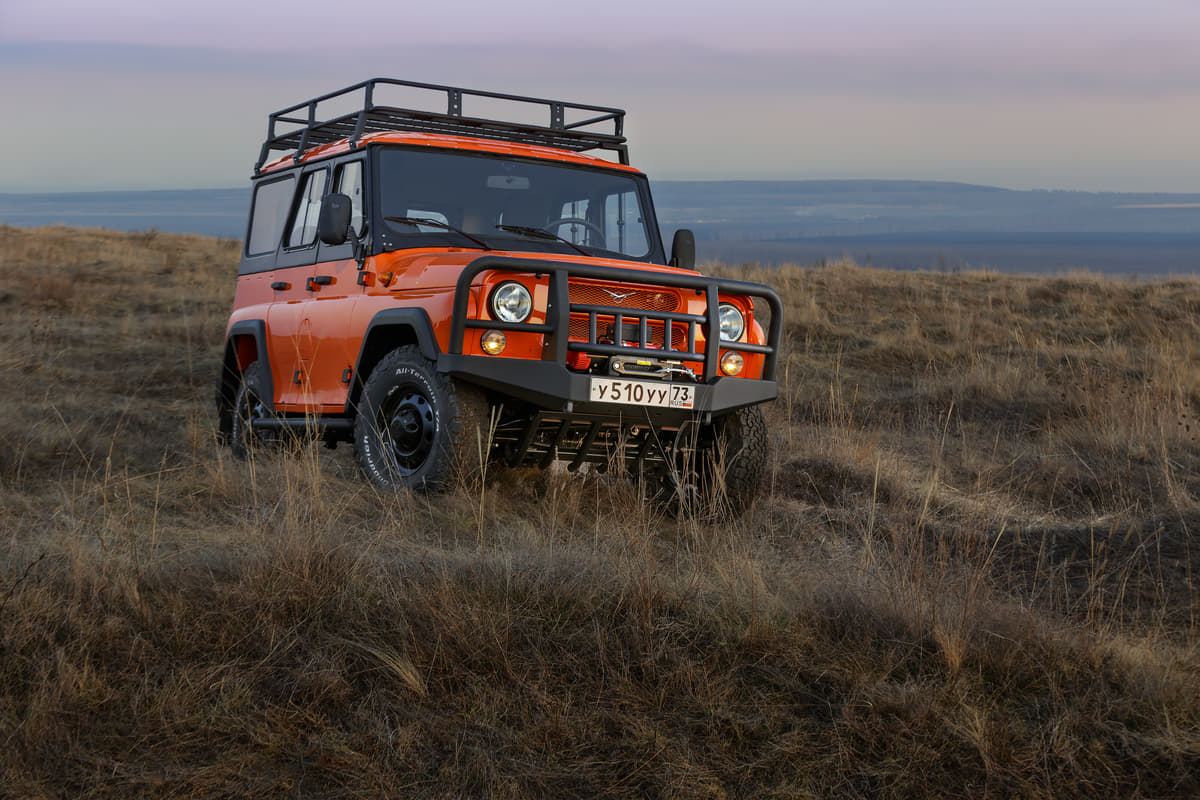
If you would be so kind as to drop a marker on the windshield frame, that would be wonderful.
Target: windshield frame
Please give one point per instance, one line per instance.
(387, 238)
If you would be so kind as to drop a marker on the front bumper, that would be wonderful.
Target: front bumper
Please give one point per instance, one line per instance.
(552, 386)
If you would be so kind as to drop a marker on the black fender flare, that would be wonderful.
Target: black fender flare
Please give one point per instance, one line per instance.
(227, 381)
(376, 343)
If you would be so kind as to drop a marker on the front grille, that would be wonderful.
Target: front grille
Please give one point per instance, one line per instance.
(631, 297)
(579, 331)
(590, 294)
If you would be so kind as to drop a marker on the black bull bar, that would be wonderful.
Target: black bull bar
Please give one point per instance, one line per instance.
(549, 383)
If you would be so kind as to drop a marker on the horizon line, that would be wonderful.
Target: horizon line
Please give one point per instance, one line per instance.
(4, 192)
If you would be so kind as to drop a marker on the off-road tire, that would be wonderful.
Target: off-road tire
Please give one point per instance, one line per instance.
(251, 402)
(737, 462)
(721, 474)
(416, 428)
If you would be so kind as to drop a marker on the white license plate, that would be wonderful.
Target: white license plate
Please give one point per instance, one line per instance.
(642, 393)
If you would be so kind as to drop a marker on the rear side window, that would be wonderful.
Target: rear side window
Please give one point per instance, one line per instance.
(308, 208)
(271, 201)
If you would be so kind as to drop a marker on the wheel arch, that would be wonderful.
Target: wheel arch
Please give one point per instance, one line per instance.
(387, 330)
(245, 343)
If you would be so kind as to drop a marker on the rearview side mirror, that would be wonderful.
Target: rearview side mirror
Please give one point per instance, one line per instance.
(333, 225)
(683, 249)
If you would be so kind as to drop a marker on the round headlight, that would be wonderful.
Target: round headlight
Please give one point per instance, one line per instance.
(511, 302)
(732, 324)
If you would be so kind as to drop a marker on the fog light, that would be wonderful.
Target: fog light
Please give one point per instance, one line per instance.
(494, 342)
(732, 363)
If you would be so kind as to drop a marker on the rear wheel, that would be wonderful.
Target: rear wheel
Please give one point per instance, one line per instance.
(417, 428)
(252, 402)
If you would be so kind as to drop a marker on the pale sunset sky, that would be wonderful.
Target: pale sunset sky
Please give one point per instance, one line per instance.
(1053, 94)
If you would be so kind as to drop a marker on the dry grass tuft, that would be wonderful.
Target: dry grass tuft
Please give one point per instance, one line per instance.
(971, 574)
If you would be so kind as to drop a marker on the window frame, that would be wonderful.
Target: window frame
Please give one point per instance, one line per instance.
(281, 220)
(339, 171)
(301, 199)
(386, 240)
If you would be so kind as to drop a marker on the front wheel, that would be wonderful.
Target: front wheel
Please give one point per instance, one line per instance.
(738, 461)
(417, 428)
(722, 472)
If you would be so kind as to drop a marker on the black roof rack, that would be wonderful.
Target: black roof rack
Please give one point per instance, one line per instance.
(305, 129)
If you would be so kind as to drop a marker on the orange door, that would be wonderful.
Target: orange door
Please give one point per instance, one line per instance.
(324, 346)
(284, 318)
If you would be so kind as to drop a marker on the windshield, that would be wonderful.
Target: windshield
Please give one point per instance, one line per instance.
(512, 204)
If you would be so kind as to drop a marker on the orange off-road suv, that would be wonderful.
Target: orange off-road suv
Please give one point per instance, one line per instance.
(430, 284)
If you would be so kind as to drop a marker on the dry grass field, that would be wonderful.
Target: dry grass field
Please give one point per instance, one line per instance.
(973, 572)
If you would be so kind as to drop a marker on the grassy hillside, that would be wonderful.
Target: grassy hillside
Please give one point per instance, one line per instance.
(973, 572)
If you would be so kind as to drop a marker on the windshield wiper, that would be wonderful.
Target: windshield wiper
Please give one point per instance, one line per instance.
(437, 223)
(540, 233)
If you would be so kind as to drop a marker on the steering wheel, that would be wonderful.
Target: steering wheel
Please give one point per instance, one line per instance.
(590, 226)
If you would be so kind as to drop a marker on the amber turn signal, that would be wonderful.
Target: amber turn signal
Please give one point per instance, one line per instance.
(493, 342)
(732, 363)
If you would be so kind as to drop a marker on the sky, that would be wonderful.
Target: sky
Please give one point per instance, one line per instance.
(1090, 95)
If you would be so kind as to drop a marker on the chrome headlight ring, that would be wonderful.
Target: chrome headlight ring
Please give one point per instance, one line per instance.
(733, 324)
(511, 302)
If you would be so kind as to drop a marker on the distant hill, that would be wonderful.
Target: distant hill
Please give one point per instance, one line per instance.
(898, 224)
(210, 212)
(726, 210)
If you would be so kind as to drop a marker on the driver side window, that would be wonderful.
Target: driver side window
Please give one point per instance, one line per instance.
(350, 183)
(308, 207)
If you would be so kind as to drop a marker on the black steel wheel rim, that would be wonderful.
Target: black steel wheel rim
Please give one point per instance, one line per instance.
(409, 426)
(250, 409)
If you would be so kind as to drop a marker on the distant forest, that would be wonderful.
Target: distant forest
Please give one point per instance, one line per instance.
(893, 224)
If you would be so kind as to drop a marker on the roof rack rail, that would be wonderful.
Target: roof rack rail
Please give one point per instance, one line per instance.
(308, 130)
